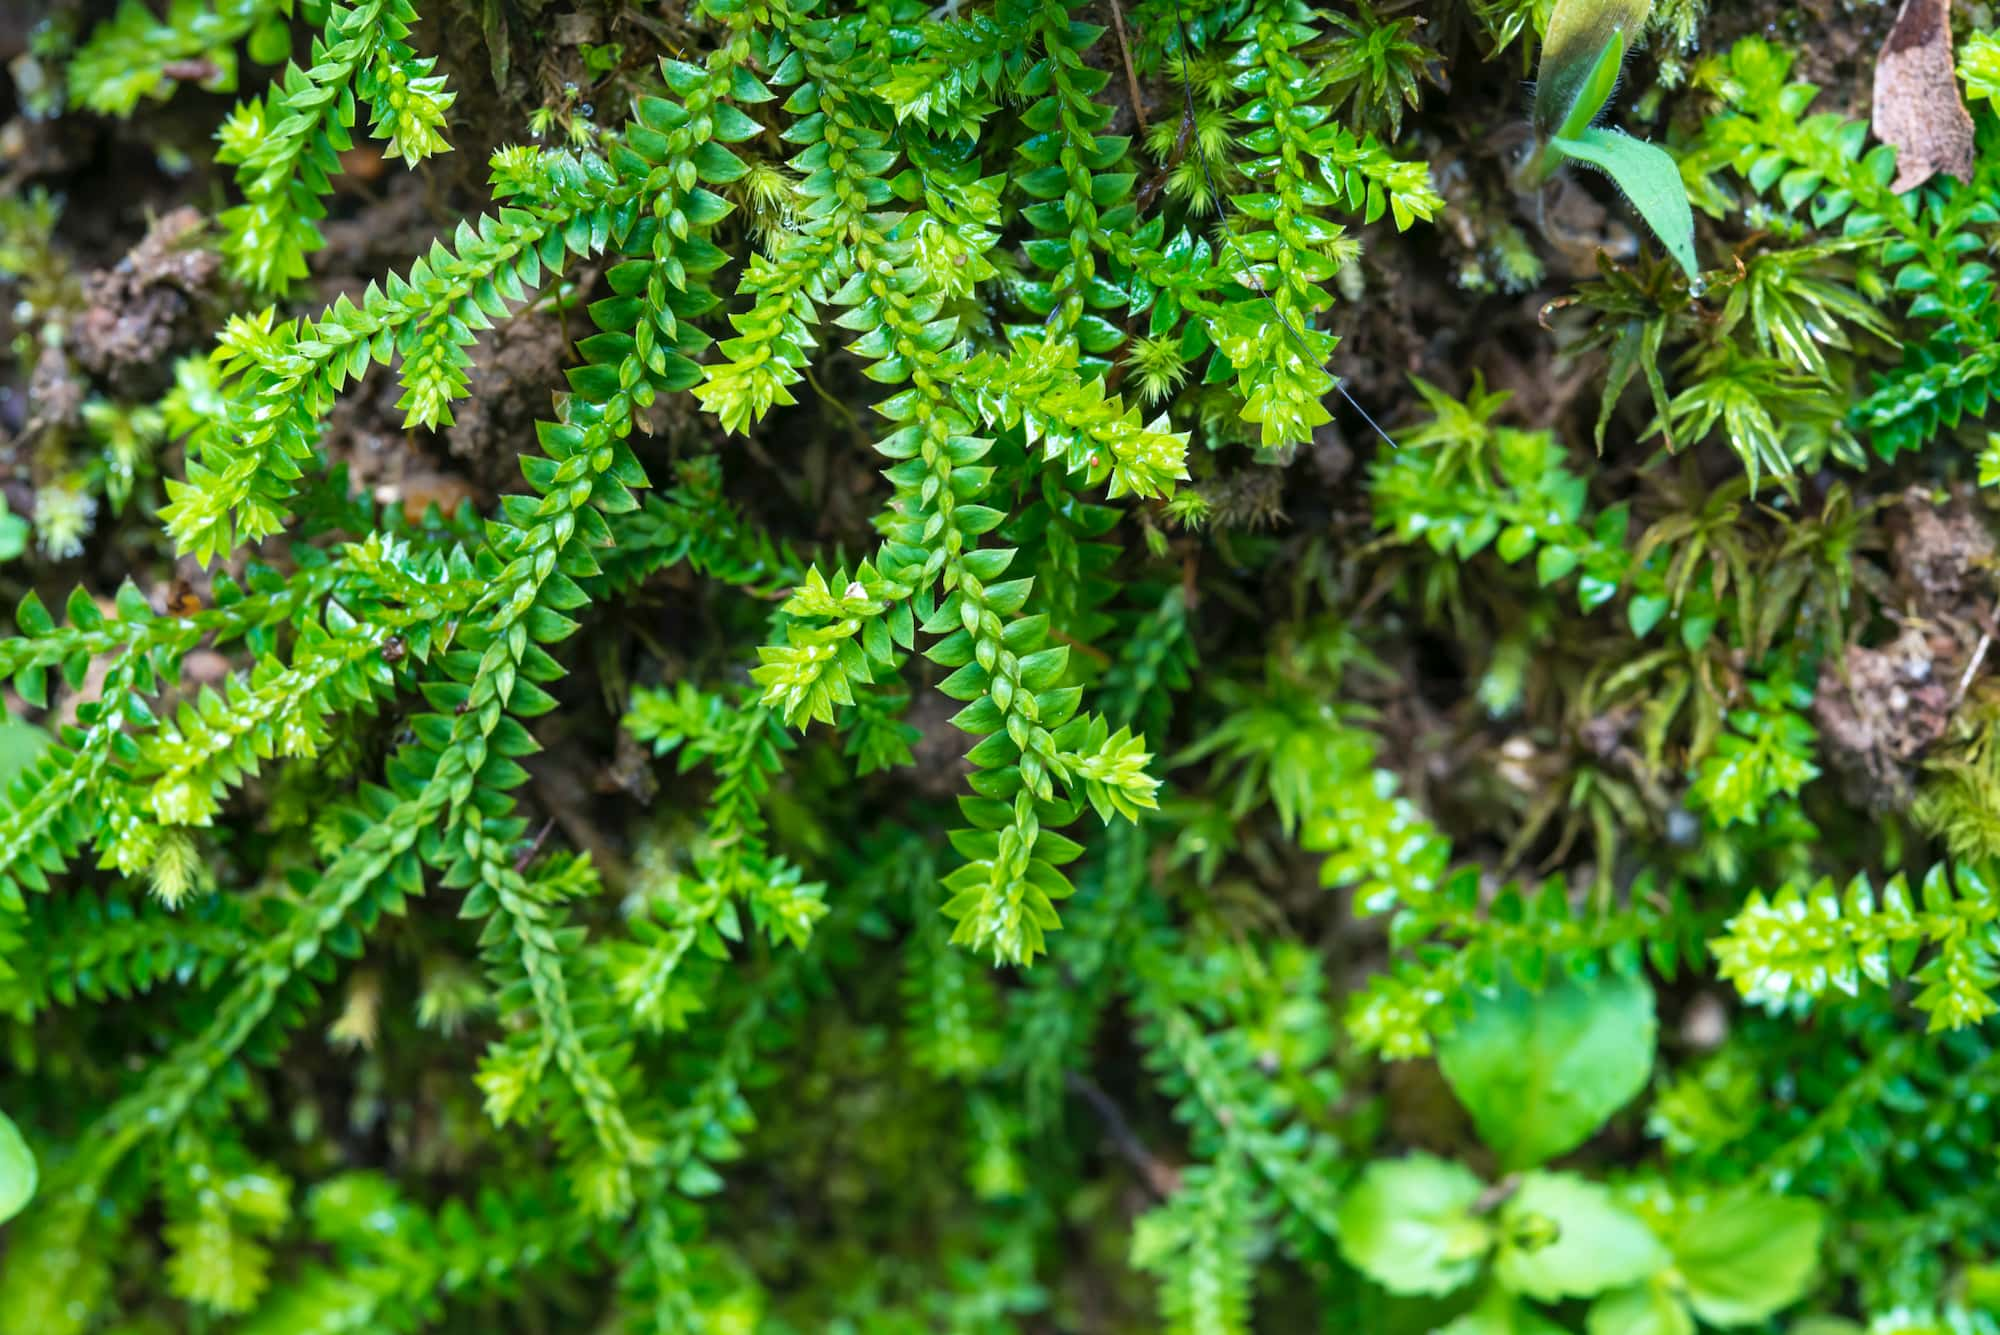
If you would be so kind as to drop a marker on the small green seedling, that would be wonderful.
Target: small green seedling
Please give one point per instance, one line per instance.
(1581, 56)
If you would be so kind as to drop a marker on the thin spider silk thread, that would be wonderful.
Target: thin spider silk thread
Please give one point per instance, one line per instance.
(1229, 239)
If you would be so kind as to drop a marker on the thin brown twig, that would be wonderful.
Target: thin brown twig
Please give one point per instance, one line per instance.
(527, 854)
(1497, 1195)
(564, 810)
(1161, 1179)
(1965, 679)
(1090, 651)
(1144, 197)
(1125, 53)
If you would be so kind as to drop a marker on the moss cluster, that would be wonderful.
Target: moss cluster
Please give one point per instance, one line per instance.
(811, 705)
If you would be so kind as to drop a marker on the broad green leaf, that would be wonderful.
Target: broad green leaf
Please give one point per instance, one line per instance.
(1643, 1309)
(270, 41)
(20, 743)
(1581, 52)
(1745, 1259)
(1408, 1225)
(1565, 1237)
(1540, 1072)
(1650, 179)
(1644, 612)
(17, 1170)
(1501, 1313)
(13, 533)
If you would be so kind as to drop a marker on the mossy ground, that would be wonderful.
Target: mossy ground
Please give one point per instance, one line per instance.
(895, 1183)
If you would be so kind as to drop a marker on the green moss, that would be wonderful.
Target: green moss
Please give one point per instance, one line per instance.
(993, 843)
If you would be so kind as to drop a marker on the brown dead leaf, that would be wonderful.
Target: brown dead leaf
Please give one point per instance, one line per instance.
(417, 492)
(1917, 105)
(363, 163)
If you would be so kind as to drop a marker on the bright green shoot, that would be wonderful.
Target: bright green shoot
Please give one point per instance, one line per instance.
(1581, 56)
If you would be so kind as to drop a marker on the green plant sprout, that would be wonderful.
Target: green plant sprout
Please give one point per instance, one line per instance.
(1582, 54)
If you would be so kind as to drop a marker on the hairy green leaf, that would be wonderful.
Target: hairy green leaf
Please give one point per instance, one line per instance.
(1650, 179)
(1581, 52)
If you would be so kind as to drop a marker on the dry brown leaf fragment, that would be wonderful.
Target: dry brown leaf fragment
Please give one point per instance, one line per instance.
(1918, 110)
